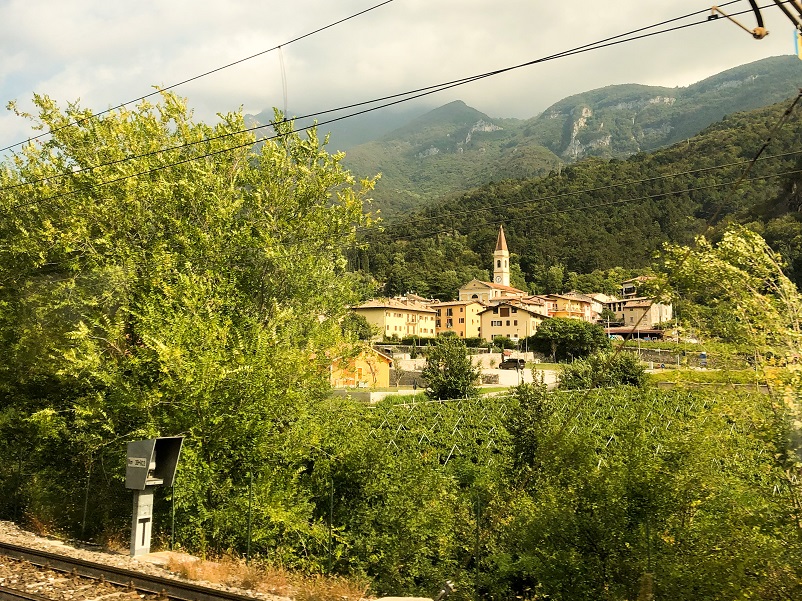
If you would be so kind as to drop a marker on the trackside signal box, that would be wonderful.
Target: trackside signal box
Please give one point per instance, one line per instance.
(149, 463)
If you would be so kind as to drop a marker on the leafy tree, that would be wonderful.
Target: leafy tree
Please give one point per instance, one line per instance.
(564, 339)
(191, 285)
(449, 372)
(553, 279)
(356, 325)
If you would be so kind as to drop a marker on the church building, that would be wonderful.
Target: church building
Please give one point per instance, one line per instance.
(499, 289)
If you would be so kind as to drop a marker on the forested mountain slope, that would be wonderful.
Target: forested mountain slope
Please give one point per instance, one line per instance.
(455, 147)
(599, 214)
(450, 149)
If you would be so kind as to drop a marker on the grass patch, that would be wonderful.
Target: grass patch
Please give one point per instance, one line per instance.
(269, 579)
(706, 376)
(544, 366)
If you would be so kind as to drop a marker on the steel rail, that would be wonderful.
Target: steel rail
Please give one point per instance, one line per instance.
(174, 589)
(12, 594)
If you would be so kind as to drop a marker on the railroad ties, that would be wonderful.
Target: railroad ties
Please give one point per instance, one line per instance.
(33, 575)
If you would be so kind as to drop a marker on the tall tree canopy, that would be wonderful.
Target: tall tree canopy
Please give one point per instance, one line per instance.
(159, 275)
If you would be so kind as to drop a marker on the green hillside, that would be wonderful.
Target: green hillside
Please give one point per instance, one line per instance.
(452, 148)
(600, 214)
(455, 148)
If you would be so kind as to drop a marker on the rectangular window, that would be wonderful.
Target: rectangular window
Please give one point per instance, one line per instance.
(438, 312)
(449, 312)
(514, 310)
(504, 311)
(449, 323)
(495, 323)
(462, 309)
(462, 320)
(437, 323)
(515, 322)
(508, 322)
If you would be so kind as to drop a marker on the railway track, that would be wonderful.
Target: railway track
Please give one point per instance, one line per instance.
(63, 578)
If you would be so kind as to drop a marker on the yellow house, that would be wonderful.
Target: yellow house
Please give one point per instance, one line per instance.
(460, 317)
(515, 320)
(369, 369)
(402, 319)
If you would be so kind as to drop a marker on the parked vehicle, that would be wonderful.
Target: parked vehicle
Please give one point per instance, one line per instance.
(512, 364)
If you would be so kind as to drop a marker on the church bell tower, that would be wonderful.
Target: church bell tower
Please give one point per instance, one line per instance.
(501, 260)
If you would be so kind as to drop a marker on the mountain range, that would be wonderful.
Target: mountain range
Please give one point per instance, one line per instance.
(455, 148)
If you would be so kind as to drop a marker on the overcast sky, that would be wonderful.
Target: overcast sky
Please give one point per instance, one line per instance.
(105, 52)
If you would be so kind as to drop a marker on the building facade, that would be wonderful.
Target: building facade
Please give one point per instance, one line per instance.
(400, 319)
(460, 317)
(511, 319)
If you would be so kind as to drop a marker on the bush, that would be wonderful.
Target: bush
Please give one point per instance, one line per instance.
(565, 339)
(603, 370)
(449, 373)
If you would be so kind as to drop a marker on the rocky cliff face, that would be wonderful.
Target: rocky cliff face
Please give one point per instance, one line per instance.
(621, 120)
(609, 128)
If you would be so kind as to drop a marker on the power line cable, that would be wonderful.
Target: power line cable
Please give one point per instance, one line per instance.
(416, 93)
(206, 73)
(472, 226)
(423, 92)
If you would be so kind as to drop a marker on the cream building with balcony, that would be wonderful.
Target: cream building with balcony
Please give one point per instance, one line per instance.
(401, 319)
(512, 319)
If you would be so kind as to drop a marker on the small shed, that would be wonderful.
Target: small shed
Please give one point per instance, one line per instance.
(368, 369)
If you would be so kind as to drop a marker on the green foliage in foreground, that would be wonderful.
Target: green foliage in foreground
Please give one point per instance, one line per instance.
(200, 299)
(614, 489)
(204, 303)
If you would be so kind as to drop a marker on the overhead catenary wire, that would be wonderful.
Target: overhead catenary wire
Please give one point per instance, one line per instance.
(204, 74)
(395, 99)
(359, 245)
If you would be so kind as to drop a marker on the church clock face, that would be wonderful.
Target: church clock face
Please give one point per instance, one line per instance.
(498, 279)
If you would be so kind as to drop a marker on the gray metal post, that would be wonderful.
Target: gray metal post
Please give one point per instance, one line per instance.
(331, 519)
(476, 548)
(172, 518)
(142, 522)
(86, 500)
(250, 504)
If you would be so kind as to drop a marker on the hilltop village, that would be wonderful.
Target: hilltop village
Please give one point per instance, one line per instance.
(490, 310)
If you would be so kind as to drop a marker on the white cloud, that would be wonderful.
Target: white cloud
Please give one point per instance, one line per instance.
(109, 52)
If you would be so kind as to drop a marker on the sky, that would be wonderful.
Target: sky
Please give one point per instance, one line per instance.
(104, 53)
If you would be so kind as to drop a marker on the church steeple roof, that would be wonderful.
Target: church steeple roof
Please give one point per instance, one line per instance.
(501, 243)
